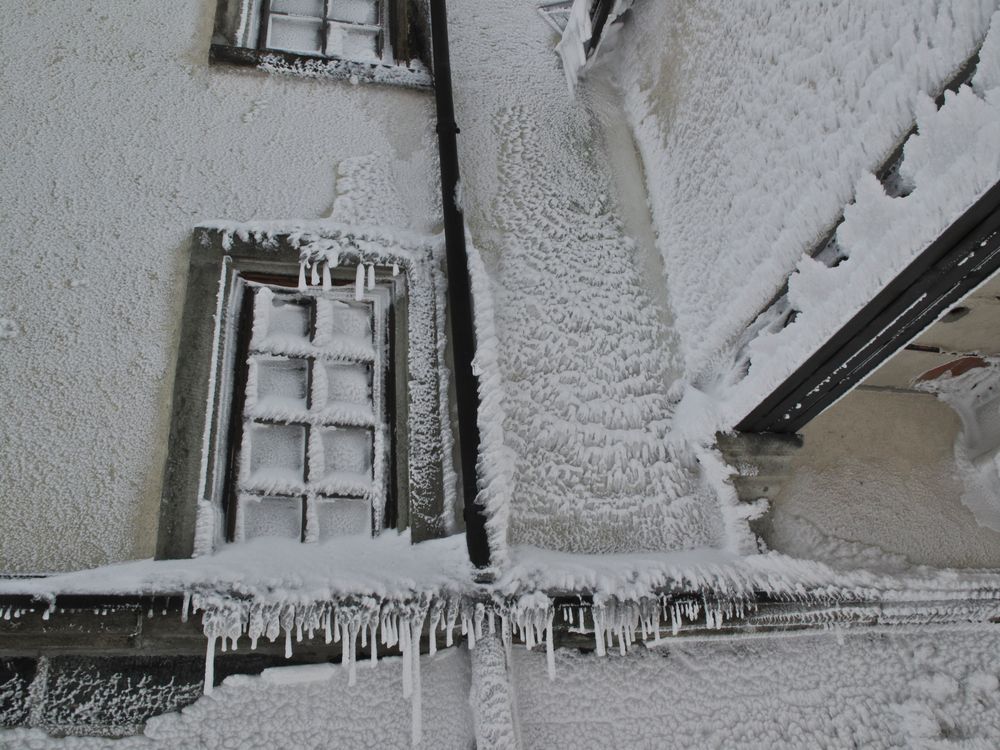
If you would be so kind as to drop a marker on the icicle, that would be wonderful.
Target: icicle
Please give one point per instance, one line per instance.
(374, 645)
(327, 635)
(298, 631)
(302, 276)
(550, 653)
(288, 643)
(416, 715)
(222, 646)
(395, 269)
(432, 630)
(404, 649)
(336, 627)
(352, 667)
(345, 645)
(359, 283)
(185, 605)
(210, 666)
(314, 274)
(599, 632)
(470, 633)
(493, 624)
(327, 281)
(371, 276)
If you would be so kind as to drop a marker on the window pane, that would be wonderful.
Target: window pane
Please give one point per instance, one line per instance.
(281, 385)
(351, 43)
(351, 320)
(271, 516)
(346, 462)
(353, 11)
(348, 384)
(295, 35)
(281, 324)
(344, 330)
(347, 449)
(277, 457)
(343, 518)
(300, 7)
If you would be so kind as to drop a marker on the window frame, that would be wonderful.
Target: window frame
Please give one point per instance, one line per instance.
(383, 494)
(241, 37)
(381, 27)
(193, 517)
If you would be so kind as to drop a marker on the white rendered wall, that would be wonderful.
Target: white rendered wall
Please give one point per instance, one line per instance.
(118, 139)
(878, 469)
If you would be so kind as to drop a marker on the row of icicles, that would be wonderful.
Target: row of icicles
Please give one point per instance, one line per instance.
(392, 625)
(400, 625)
(318, 273)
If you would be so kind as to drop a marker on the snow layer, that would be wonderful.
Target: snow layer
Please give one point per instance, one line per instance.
(119, 140)
(758, 122)
(301, 708)
(884, 689)
(581, 383)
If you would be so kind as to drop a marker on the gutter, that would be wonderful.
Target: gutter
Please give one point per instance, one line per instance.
(965, 255)
(463, 337)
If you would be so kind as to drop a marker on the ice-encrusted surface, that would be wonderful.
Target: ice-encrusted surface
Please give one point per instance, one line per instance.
(756, 122)
(585, 406)
(885, 689)
(119, 140)
(304, 707)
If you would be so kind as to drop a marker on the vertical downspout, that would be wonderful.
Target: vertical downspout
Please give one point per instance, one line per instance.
(463, 338)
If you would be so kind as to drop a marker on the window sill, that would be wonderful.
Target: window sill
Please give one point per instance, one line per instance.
(412, 76)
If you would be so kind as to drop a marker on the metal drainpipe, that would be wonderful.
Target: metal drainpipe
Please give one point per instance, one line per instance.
(463, 338)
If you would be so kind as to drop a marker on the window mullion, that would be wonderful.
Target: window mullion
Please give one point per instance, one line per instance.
(265, 25)
(325, 30)
(309, 497)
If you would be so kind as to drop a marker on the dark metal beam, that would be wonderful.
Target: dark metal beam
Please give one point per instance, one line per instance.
(958, 261)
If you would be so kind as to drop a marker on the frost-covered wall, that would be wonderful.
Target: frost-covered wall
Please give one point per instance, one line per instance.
(581, 428)
(308, 706)
(874, 689)
(756, 121)
(119, 139)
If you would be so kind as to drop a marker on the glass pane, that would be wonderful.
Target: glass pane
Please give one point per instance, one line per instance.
(294, 34)
(343, 518)
(347, 449)
(271, 516)
(281, 384)
(349, 383)
(351, 43)
(287, 319)
(299, 7)
(351, 320)
(277, 457)
(353, 11)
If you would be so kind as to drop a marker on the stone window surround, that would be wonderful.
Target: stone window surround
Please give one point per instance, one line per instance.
(192, 519)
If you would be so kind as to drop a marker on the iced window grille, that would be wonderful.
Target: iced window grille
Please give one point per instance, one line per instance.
(310, 410)
(342, 29)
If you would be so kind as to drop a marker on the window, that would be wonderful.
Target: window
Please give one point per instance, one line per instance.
(385, 41)
(311, 398)
(309, 406)
(347, 29)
